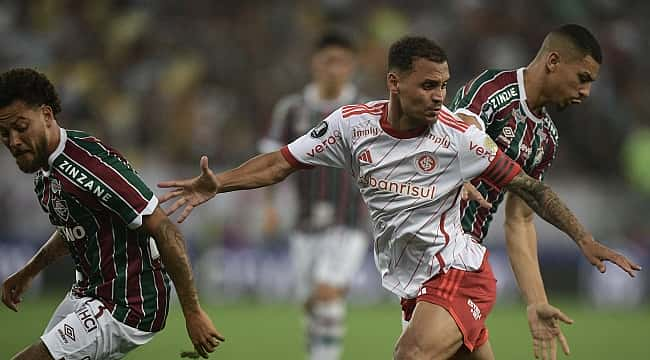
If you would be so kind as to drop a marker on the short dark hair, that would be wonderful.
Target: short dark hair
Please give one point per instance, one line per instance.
(29, 86)
(582, 39)
(404, 51)
(334, 38)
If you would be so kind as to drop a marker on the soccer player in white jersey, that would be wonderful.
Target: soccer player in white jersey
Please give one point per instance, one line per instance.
(329, 242)
(124, 247)
(410, 156)
(510, 106)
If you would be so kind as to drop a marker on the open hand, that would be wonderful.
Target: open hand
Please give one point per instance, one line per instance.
(596, 253)
(544, 322)
(191, 192)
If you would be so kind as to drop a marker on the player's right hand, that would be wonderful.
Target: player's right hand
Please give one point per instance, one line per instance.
(543, 320)
(202, 332)
(13, 288)
(191, 192)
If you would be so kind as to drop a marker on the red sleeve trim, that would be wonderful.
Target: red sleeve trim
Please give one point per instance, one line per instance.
(286, 153)
(501, 170)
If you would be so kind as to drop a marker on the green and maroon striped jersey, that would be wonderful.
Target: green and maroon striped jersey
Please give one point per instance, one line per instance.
(497, 99)
(97, 201)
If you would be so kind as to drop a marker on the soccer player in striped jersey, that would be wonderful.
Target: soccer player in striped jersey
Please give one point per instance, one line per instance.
(108, 221)
(510, 106)
(329, 243)
(410, 156)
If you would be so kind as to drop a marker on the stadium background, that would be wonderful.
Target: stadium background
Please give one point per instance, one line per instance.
(167, 81)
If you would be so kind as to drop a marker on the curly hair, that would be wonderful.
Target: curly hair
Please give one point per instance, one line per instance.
(29, 86)
(404, 51)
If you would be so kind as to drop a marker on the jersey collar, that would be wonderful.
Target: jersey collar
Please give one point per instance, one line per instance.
(400, 134)
(59, 149)
(523, 97)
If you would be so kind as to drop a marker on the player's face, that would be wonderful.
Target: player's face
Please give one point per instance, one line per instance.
(572, 81)
(422, 91)
(23, 132)
(332, 67)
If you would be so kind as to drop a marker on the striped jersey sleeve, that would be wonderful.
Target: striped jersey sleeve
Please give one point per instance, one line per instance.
(481, 157)
(324, 145)
(106, 177)
(475, 98)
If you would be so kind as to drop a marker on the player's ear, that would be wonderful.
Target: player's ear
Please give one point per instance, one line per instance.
(48, 115)
(392, 82)
(552, 61)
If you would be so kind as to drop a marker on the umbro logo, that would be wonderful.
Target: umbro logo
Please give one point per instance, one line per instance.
(365, 157)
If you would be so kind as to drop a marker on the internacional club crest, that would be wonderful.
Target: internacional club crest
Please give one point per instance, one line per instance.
(425, 163)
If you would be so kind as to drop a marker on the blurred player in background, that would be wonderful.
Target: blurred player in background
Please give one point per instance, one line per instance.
(510, 106)
(410, 157)
(330, 241)
(107, 220)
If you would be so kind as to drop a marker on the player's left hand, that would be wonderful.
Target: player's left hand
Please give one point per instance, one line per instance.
(596, 253)
(202, 332)
(469, 192)
(543, 320)
(191, 192)
(14, 287)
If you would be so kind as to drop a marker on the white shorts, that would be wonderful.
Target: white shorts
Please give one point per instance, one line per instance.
(330, 257)
(82, 329)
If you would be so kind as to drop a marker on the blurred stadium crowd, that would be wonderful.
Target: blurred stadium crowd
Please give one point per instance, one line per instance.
(167, 81)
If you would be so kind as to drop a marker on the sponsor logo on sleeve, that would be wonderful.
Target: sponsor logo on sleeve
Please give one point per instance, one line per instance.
(319, 130)
(323, 145)
(487, 110)
(488, 150)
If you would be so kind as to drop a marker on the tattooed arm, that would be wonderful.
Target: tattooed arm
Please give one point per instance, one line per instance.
(171, 246)
(17, 283)
(541, 198)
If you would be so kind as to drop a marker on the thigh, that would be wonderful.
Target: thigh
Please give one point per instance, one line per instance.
(302, 250)
(66, 307)
(36, 351)
(432, 333)
(90, 332)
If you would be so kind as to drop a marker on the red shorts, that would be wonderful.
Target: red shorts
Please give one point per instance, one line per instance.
(467, 296)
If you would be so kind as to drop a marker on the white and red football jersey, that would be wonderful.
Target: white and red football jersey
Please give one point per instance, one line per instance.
(411, 183)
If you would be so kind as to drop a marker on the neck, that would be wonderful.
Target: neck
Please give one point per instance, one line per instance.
(533, 83)
(52, 143)
(398, 120)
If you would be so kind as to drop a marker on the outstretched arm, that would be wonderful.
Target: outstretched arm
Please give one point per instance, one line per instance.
(541, 198)
(521, 244)
(17, 283)
(263, 170)
(171, 245)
